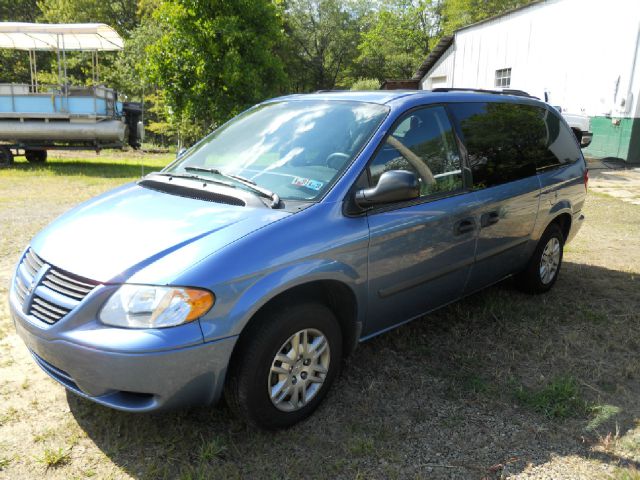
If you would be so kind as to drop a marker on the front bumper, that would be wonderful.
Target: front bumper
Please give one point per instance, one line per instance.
(110, 369)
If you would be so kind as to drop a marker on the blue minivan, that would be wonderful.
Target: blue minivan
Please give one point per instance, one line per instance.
(264, 254)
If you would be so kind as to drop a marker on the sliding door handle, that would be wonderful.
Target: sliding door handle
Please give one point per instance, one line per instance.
(489, 218)
(465, 226)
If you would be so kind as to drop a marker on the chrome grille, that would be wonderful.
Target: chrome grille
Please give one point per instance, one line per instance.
(45, 311)
(66, 284)
(21, 290)
(32, 262)
(55, 291)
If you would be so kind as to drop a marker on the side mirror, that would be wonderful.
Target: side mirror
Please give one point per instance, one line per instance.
(181, 152)
(393, 186)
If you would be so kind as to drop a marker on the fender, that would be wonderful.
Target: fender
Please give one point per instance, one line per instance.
(546, 217)
(231, 317)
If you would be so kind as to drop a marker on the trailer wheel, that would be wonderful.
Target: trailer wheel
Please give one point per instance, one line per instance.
(36, 156)
(6, 157)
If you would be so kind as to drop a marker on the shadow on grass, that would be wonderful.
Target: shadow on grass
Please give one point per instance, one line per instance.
(101, 169)
(435, 398)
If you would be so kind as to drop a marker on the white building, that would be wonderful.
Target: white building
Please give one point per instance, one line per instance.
(581, 55)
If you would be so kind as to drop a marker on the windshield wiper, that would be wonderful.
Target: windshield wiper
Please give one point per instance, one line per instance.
(261, 191)
(194, 177)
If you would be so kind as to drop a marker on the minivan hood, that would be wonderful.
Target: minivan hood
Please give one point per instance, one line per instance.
(121, 232)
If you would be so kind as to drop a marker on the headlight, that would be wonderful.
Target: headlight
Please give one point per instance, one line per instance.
(146, 306)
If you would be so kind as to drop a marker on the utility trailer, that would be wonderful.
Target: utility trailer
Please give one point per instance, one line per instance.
(35, 118)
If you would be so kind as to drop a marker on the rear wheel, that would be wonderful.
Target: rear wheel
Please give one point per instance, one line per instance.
(6, 157)
(36, 156)
(543, 268)
(284, 365)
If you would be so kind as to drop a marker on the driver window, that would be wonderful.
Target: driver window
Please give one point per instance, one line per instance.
(422, 142)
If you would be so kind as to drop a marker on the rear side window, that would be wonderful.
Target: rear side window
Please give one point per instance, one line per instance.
(422, 142)
(561, 143)
(509, 141)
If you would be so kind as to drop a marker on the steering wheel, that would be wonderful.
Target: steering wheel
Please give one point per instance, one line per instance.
(336, 160)
(424, 172)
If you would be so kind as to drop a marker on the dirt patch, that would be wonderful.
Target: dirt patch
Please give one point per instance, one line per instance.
(615, 180)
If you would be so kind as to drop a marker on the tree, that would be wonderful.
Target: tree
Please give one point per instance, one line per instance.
(321, 42)
(122, 15)
(366, 84)
(214, 59)
(13, 62)
(400, 38)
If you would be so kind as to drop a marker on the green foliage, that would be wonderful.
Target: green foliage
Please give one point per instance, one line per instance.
(55, 457)
(559, 399)
(19, 10)
(459, 13)
(600, 415)
(129, 71)
(321, 42)
(400, 38)
(214, 59)
(366, 84)
(119, 14)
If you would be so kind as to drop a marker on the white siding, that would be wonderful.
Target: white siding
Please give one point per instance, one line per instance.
(442, 68)
(577, 50)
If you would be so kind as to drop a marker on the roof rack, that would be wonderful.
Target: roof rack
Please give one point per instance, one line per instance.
(506, 91)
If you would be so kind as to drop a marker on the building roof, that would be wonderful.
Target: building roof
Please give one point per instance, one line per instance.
(62, 36)
(446, 41)
(399, 84)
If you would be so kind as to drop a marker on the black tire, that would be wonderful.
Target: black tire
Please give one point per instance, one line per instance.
(6, 157)
(35, 156)
(246, 389)
(530, 280)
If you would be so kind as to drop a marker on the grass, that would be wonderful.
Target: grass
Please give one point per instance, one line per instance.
(55, 457)
(626, 474)
(10, 415)
(560, 398)
(104, 166)
(4, 462)
(500, 378)
(600, 415)
(211, 449)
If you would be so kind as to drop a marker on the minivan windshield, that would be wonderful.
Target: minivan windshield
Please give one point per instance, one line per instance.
(294, 148)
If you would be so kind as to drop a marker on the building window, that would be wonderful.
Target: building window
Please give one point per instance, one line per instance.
(503, 77)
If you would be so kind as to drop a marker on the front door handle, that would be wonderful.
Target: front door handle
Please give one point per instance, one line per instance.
(465, 226)
(489, 218)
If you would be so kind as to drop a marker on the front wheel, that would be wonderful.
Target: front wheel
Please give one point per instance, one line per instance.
(284, 365)
(543, 268)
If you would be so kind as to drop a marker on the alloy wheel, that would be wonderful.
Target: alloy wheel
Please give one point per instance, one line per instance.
(298, 370)
(550, 260)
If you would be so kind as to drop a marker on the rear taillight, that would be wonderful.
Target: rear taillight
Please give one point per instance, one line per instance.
(586, 178)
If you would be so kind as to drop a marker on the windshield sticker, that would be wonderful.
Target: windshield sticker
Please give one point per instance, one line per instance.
(307, 183)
